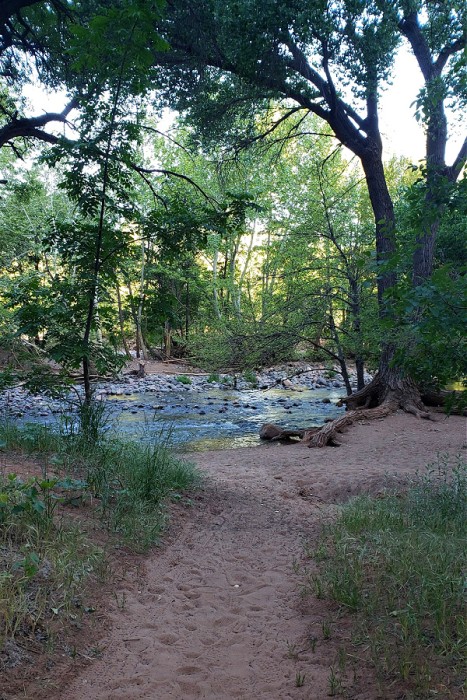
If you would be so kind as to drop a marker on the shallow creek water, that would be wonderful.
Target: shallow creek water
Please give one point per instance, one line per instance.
(218, 418)
(193, 414)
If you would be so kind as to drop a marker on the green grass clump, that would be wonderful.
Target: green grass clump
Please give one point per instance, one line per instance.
(45, 560)
(30, 438)
(134, 482)
(183, 379)
(398, 562)
(250, 377)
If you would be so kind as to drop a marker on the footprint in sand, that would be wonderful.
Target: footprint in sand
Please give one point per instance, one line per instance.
(167, 638)
(189, 670)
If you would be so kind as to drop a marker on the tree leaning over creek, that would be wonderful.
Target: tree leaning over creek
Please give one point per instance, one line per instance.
(233, 68)
(230, 60)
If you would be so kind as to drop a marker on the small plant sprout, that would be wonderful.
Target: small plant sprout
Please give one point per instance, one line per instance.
(299, 679)
(296, 566)
(312, 642)
(335, 683)
(318, 586)
(292, 651)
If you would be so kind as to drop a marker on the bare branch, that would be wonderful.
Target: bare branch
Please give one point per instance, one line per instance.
(172, 173)
(455, 169)
(448, 51)
(275, 125)
(153, 130)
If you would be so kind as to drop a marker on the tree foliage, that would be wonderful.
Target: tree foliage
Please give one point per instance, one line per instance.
(286, 243)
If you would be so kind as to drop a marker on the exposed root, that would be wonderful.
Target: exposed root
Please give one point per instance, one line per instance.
(382, 396)
(368, 397)
(411, 408)
(327, 434)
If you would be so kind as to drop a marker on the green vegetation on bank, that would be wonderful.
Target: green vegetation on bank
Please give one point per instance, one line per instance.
(130, 481)
(398, 564)
(47, 559)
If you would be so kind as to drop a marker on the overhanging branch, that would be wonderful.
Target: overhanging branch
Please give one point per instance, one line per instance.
(8, 8)
(33, 127)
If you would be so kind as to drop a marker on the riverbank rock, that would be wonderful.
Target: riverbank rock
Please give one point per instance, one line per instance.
(270, 431)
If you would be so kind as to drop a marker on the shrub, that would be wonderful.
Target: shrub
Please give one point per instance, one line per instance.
(183, 379)
(250, 377)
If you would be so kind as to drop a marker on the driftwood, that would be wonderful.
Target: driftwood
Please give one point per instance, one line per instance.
(92, 377)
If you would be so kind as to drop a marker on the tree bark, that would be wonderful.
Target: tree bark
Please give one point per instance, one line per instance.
(383, 211)
(360, 368)
(121, 322)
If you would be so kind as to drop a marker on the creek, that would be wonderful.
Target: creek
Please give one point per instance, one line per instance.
(194, 413)
(219, 419)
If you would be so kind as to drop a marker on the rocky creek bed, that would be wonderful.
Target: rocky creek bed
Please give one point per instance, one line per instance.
(197, 411)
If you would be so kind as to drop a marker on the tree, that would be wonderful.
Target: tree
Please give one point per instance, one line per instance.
(328, 59)
(34, 39)
(330, 217)
(69, 46)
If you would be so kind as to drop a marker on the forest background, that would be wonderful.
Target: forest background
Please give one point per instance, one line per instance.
(265, 225)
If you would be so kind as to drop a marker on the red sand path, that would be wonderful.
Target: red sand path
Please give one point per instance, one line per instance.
(216, 613)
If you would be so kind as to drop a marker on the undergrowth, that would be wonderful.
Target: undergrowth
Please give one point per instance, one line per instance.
(129, 481)
(398, 564)
(46, 558)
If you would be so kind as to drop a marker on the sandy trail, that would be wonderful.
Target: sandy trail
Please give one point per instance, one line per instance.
(217, 613)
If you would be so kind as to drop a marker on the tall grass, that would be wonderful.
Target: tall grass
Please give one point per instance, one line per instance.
(398, 563)
(130, 481)
(31, 438)
(133, 482)
(43, 564)
(45, 560)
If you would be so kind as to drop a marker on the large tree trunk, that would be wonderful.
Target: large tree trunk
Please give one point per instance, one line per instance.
(390, 389)
(387, 392)
(383, 211)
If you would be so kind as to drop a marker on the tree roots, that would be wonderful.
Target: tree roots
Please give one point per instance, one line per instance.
(385, 394)
(327, 435)
(378, 399)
